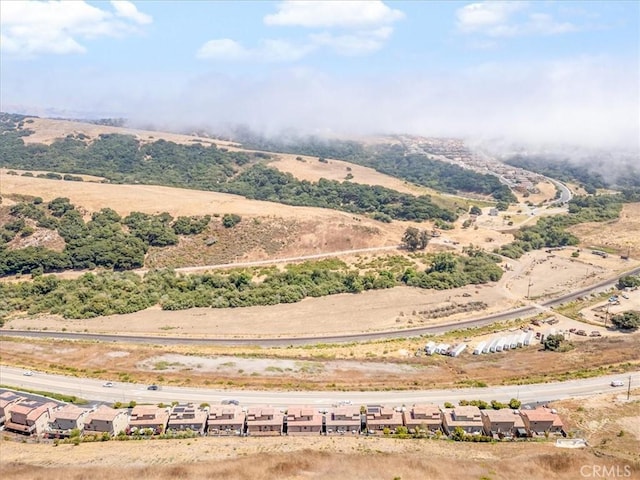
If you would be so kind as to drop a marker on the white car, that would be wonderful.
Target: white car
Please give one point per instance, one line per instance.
(108, 384)
(28, 373)
(617, 383)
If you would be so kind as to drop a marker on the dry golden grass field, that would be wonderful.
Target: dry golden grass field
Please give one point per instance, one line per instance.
(621, 236)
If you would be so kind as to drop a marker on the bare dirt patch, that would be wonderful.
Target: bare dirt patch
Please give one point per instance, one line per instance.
(610, 423)
(547, 191)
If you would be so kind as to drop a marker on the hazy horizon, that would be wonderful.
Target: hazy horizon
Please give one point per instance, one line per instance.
(524, 72)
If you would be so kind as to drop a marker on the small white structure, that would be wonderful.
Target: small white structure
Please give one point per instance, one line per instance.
(458, 350)
(528, 338)
(521, 338)
(479, 348)
(429, 348)
(493, 345)
(500, 344)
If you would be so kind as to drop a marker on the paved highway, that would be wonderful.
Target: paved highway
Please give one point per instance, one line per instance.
(565, 193)
(125, 392)
(521, 312)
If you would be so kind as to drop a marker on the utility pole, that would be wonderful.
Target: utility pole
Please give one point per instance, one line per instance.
(529, 290)
(629, 388)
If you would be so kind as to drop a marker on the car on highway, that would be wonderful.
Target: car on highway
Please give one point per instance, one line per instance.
(28, 373)
(153, 387)
(108, 384)
(617, 383)
(230, 401)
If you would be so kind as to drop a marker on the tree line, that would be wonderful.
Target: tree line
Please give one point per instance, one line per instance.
(108, 292)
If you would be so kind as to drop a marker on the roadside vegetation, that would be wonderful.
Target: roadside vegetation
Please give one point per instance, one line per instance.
(107, 293)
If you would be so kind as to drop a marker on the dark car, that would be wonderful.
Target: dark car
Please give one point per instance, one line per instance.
(230, 402)
(153, 387)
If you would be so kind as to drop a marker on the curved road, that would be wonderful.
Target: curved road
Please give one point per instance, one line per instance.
(357, 337)
(125, 392)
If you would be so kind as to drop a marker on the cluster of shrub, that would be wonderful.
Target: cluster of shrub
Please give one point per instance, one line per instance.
(106, 293)
(551, 231)
(107, 240)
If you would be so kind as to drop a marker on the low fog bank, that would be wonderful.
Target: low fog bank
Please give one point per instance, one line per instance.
(591, 102)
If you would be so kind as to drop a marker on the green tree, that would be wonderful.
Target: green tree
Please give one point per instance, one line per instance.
(414, 239)
(410, 239)
(628, 281)
(553, 342)
(230, 220)
(458, 434)
(514, 403)
(475, 210)
(627, 320)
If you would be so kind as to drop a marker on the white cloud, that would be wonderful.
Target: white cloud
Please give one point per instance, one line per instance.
(269, 50)
(33, 27)
(346, 13)
(357, 43)
(223, 49)
(126, 9)
(480, 16)
(496, 19)
(364, 28)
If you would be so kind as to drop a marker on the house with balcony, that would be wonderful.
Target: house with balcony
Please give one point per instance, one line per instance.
(501, 423)
(188, 417)
(426, 418)
(380, 418)
(65, 419)
(468, 418)
(343, 420)
(147, 419)
(303, 421)
(226, 420)
(29, 417)
(106, 420)
(264, 421)
(7, 400)
(541, 420)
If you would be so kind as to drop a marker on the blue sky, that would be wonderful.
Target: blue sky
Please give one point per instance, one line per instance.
(538, 71)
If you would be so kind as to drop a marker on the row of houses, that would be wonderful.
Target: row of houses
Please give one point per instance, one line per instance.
(49, 419)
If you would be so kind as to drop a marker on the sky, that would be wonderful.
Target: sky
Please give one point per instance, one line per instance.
(542, 72)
